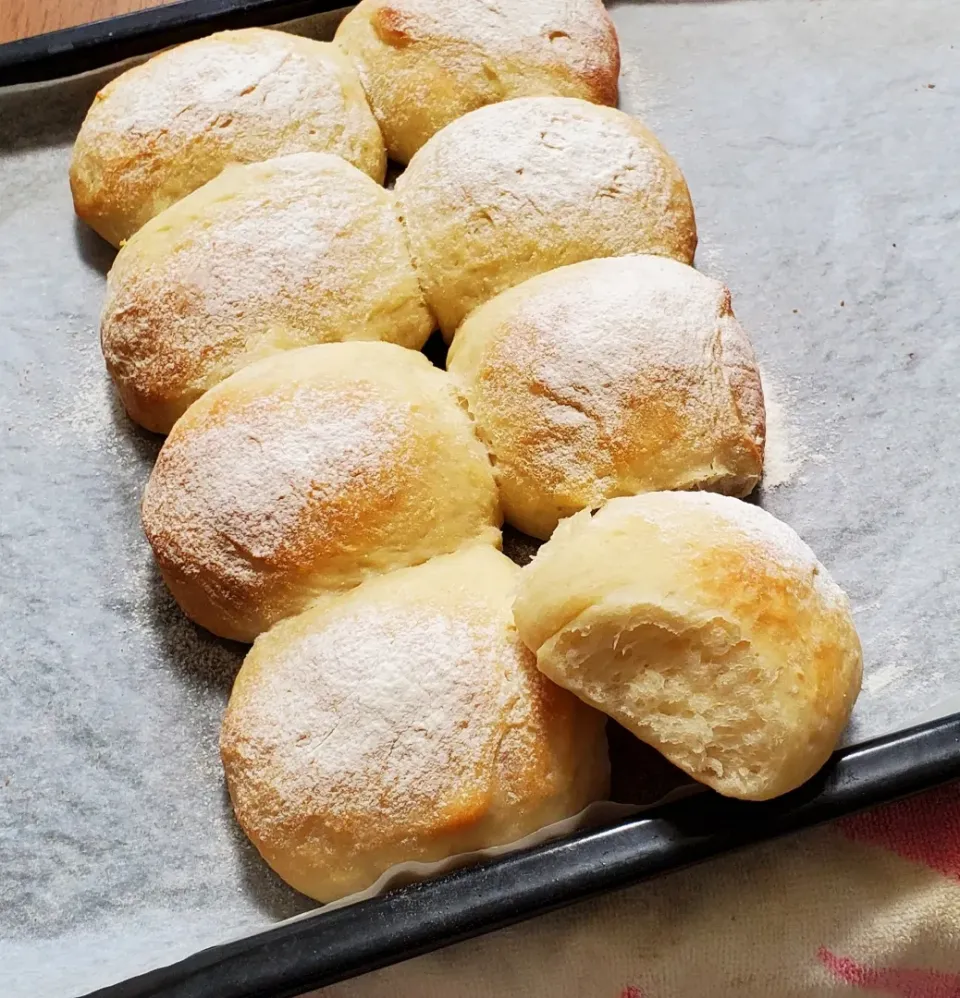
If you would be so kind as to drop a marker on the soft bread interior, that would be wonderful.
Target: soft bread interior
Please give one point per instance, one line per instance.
(691, 686)
(703, 625)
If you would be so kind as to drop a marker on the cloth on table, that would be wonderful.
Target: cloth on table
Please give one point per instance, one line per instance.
(868, 906)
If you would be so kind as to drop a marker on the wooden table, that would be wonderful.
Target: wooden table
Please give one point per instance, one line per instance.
(22, 18)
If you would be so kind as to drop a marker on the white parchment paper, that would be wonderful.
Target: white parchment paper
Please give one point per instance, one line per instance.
(820, 141)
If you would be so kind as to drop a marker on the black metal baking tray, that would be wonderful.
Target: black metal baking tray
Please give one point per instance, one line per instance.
(322, 948)
(292, 959)
(101, 43)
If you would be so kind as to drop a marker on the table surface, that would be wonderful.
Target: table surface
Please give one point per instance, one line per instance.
(23, 18)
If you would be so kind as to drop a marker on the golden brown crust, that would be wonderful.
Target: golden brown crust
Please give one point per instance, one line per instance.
(267, 257)
(703, 625)
(405, 721)
(743, 376)
(425, 63)
(162, 129)
(307, 472)
(610, 377)
(522, 187)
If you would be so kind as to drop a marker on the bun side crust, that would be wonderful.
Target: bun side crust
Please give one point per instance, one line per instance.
(307, 472)
(406, 721)
(704, 626)
(746, 388)
(164, 128)
(424, 63)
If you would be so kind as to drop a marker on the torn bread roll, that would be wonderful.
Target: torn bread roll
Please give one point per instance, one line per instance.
(404, 721)
(522, 187)
(610, 377)
(307, 472)
(162, 129)
(267, 257)
(424, 63)
(703, 625)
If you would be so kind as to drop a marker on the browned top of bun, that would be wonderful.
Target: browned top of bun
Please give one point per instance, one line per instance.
(305, 473)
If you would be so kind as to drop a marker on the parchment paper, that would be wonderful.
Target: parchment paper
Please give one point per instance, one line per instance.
(820, 141)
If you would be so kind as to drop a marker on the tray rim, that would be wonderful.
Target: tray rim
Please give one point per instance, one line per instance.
(321, 948)
(55, 55)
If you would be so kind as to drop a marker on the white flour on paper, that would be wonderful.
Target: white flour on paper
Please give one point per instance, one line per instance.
(786, 452)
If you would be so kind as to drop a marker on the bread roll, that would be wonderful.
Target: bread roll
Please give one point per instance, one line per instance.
(305, 473)
(297, 250)
(404, 721)
(527, 185)
(610, 377)
(704, 626)
(424, 63)
(160, 130)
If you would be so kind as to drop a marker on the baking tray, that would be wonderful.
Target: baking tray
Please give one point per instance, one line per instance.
(819, 141)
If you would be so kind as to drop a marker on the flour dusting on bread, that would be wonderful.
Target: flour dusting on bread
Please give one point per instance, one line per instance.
(611, 377)
(521, 187)
(296, 250)
(162, 129)
(404, 721)
(238, 491)
(425, 63)
(396, 712)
